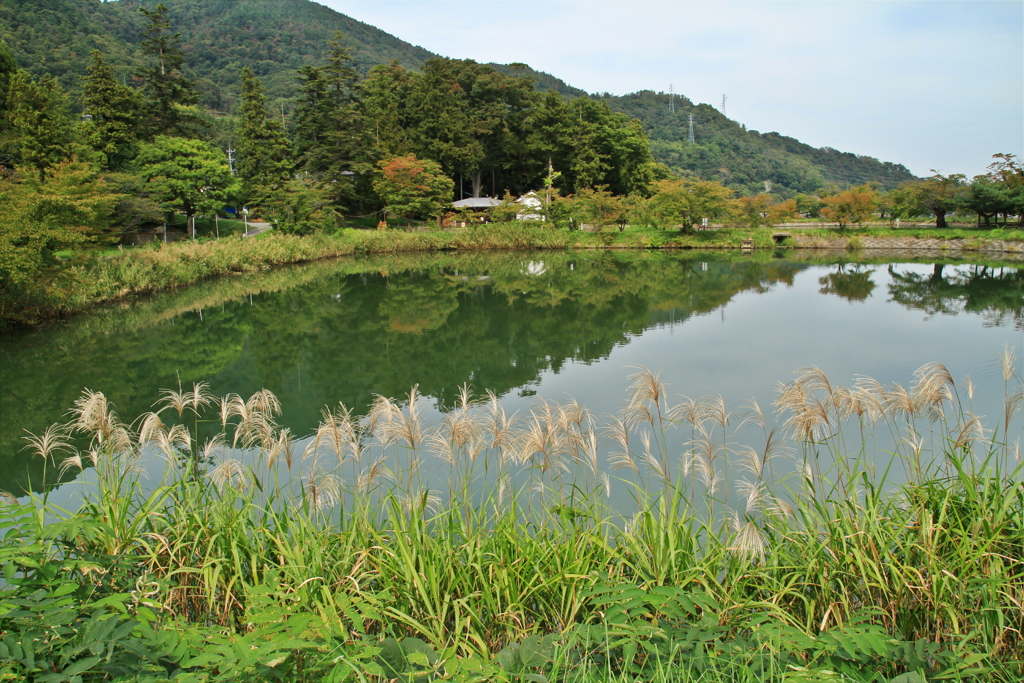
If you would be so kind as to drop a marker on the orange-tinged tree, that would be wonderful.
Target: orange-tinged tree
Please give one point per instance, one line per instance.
(763, 210)
(689, 201)
(411, 187)
(852, 206)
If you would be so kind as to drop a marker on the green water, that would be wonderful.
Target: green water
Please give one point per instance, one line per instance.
(520, 324)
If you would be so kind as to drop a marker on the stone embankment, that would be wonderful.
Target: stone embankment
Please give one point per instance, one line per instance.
(946, 247)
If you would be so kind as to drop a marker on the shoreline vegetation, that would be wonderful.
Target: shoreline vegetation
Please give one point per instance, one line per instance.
(77, 287)
(486, 546)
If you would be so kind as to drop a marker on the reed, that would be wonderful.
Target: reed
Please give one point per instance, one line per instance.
(798, 554)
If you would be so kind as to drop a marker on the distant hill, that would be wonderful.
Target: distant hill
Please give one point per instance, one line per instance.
(744, 159)
(276, 38)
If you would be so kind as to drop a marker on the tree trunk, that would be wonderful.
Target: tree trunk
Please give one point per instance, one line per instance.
(477, 183)
(940, 219)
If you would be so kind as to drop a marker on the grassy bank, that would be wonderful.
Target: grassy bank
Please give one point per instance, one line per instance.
(158, 267)
(487, 547)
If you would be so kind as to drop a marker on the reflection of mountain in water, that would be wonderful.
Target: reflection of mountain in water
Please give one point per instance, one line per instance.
(995, 293)
(347, 330)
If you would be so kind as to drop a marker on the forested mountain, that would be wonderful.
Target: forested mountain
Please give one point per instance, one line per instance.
(219, 37)
(276, 39)
(744, 159)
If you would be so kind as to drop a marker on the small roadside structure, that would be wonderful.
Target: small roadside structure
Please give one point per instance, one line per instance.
(531, 210)
(476, 203)
(476, 209)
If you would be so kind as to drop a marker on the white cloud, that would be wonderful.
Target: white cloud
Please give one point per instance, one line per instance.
(927, 84)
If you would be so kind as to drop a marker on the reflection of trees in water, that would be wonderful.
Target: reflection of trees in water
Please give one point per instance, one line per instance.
(850, 281)
(353, 331)
(994, 292)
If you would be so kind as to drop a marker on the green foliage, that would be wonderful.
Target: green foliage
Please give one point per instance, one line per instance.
(742, 159)
(853, 206)
(412, 187)
(264, 162)
(687, 202)
(114, 111)
(8, 67)
(187, 174)
(270, 570)
(38, 122)
(70, 204)
(331, 142)
(168, 93)
(937, 195)
(523, 661)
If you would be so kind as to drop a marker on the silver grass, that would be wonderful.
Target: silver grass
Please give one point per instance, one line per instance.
(372, 473)
(212, 447)
(750, 460)
(70, 461)
(1007, 362)
(151, 429)
(754, 492)
(968, 385)
(230, 474)
(646, 387)
(51, 442)
(652, 461)
(441, 447)
(499, 427)
(749, 541)
(280, 445)
(264, 401)
(899, 400)
(92, 414)
(322, 490)
(226, 406)
(688, 410)
(932, 387)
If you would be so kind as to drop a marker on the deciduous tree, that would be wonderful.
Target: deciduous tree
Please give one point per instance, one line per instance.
(940, 195)
(69, 203)
(411, 187)
(854, 206)
(687, 202)
(186, 174)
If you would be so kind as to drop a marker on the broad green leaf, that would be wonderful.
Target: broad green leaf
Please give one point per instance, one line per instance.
(909, 677)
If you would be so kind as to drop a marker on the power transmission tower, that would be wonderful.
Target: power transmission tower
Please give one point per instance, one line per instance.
(671, 99)
(691, 129)
(723, 105)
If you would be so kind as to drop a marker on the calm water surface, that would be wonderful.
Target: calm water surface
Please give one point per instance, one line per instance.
(524, 325)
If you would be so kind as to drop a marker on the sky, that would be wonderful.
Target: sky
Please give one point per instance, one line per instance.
(931, 85)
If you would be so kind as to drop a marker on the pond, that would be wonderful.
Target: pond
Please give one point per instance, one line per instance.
(523, 325)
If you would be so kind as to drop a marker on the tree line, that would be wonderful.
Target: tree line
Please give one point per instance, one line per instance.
(399, 141)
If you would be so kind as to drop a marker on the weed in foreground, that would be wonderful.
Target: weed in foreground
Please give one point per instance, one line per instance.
(493, 546)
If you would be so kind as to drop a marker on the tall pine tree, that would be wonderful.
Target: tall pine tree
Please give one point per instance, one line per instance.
(114, 112)
(331, 139)
(170, 97)
(264, 157)
(39, 125)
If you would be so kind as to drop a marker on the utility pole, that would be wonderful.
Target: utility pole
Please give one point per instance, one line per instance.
(723, 105)
(231, 159)
(671, 99)
(691, 128)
